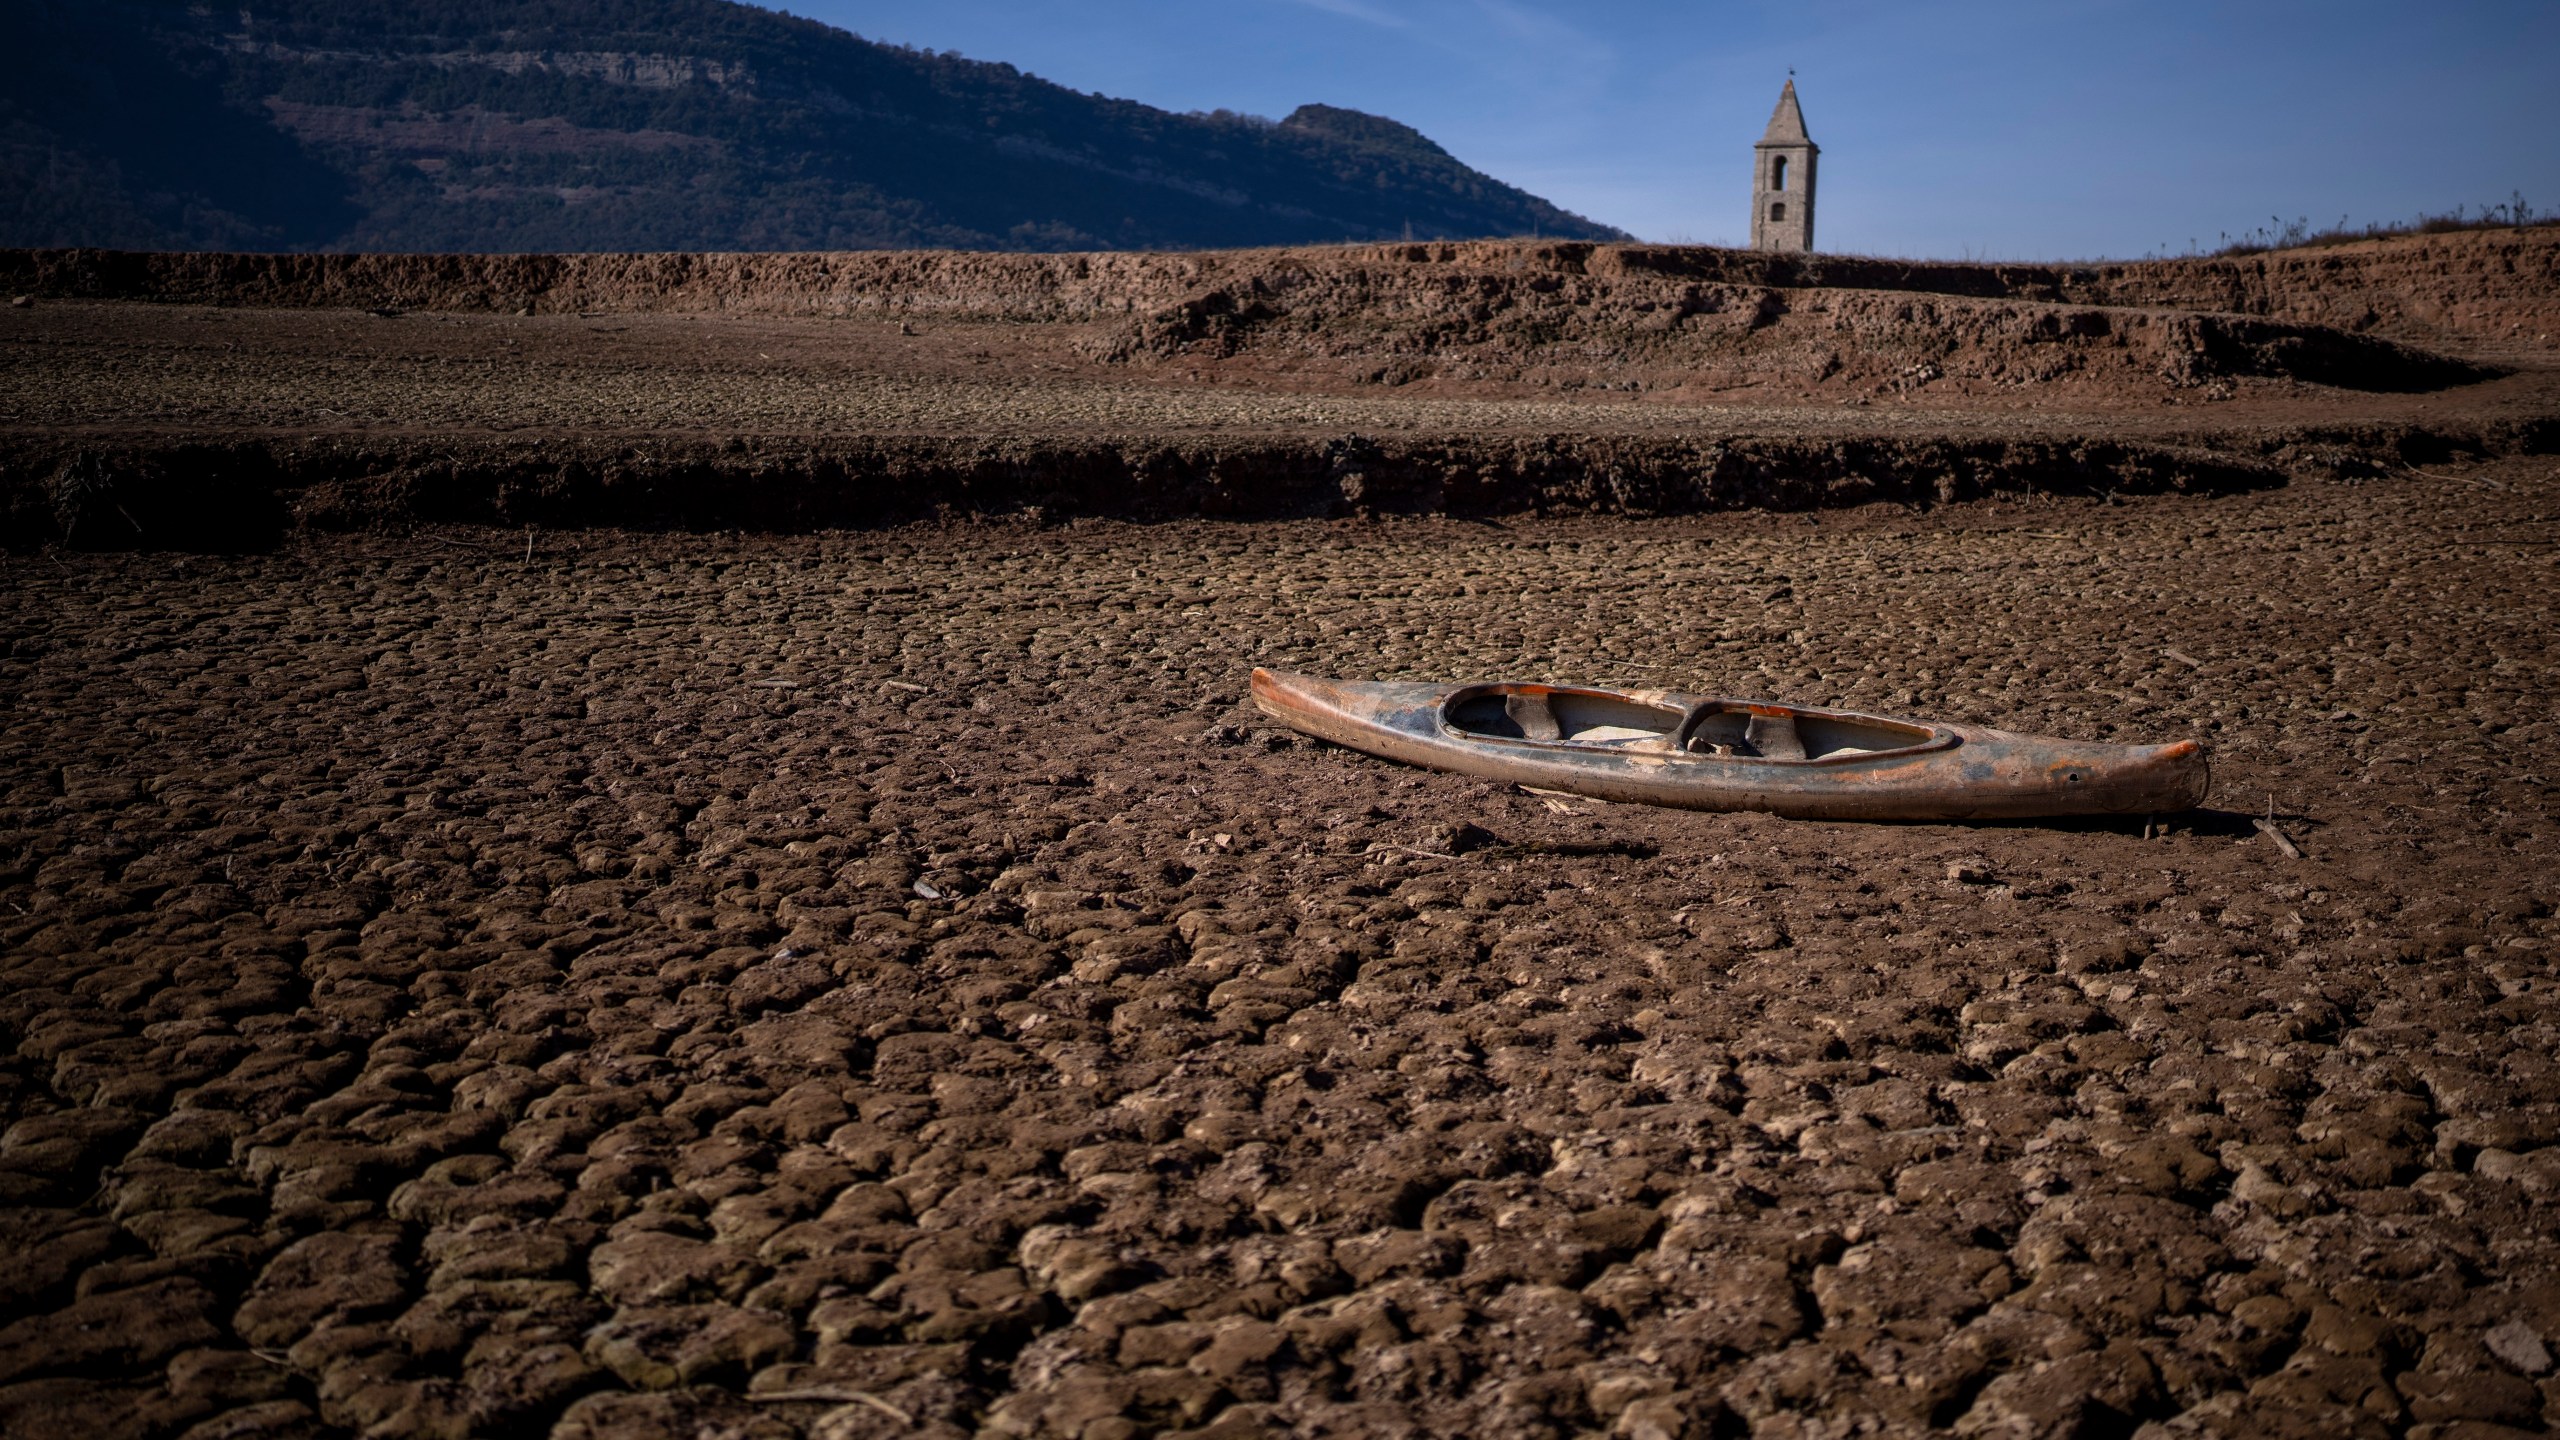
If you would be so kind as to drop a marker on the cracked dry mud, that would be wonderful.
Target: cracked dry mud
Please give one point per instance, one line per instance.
(885, 984)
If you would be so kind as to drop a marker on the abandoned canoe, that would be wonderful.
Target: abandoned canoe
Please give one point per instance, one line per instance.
(1702, 753)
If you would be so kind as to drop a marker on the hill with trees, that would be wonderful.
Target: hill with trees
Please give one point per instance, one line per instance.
(583, 125)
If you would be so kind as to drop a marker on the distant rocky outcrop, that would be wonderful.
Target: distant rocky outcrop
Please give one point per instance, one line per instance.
(589, 125)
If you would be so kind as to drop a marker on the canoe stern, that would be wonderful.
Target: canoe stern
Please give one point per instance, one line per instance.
(1348, 712)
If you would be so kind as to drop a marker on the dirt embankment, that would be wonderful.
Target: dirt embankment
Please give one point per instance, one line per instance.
(2486, 291)
(788, 391)
(248, 494)
(1707, 338)
(2485, 288)
(2359, 317)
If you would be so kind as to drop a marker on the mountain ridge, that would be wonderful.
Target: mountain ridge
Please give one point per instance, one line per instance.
(585, 125)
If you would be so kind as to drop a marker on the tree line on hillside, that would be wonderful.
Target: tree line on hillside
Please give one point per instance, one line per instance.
(675, 124)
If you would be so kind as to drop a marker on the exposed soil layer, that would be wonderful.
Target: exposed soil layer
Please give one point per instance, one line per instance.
(129, 424)
(249, 495)
(884, 983)
(2463, 291)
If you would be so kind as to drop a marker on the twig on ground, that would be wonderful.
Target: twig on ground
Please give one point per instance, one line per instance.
(2457, 479)
(906, 685)
(1384, 848)
(2268, 829)
(775, 684)
(2183, 658)
(528, 544)
(1556, 799)
(834, 1395)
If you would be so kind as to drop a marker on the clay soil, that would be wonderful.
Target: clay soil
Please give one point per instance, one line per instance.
(567, 979)
(181, 401)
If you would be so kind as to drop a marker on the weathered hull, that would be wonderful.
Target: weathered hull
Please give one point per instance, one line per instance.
(1783, 759)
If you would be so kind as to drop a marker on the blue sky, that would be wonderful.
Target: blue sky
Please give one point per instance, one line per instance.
(2054, 130)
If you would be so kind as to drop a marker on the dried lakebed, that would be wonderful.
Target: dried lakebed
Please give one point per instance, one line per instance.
(128, 425)
(887, 984)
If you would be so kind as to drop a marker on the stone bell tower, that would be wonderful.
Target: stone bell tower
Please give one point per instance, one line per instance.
(1782, 180)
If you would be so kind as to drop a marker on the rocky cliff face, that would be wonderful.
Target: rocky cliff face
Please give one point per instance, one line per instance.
(574, 125)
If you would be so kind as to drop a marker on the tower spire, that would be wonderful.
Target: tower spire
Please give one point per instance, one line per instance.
(1786, 123)
(1782, 170)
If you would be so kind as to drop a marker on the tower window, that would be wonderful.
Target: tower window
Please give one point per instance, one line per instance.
(1778, 173)
(1778, 211)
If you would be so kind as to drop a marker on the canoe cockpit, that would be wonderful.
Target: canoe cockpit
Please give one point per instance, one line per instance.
(1727, 729)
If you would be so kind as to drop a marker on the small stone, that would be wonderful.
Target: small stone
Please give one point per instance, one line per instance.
(1676, 1416)
(1238, 1346)
(1762, 936)
(1458, 838)
(2538, 1172)
(2267, 1314)
(2257, 1186)
(2516, 1343)
(1611, 1393)
(1623, 1228)
(2342, 1332)
(1971, 870)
